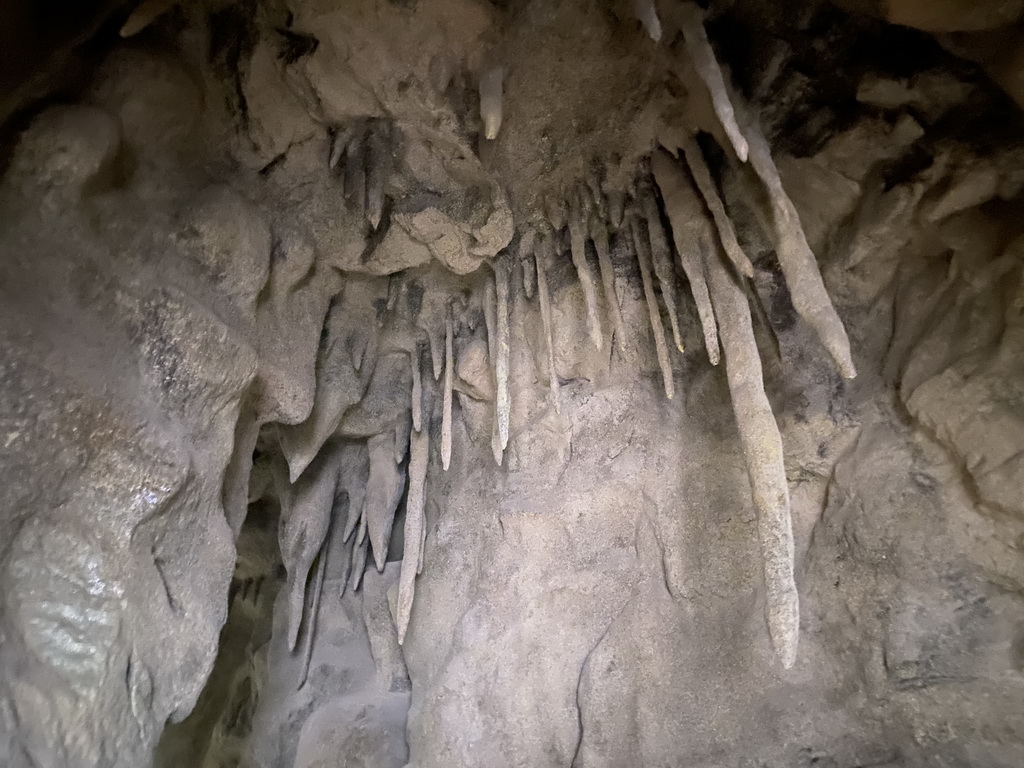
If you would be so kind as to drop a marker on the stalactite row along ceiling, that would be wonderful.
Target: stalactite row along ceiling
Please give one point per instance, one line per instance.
(413, 313)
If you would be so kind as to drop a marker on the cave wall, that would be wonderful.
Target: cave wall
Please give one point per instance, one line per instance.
(227, 274)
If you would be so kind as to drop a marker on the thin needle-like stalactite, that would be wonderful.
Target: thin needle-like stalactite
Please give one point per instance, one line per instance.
(543, 252)
(577, 247)
(415, 526)
(685, 216)
(762, 450)
(449, 383)
(654, 314)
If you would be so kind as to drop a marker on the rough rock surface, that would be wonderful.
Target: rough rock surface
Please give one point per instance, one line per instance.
(235, 251)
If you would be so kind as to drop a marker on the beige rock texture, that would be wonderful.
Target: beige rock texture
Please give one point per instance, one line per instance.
(242, 526)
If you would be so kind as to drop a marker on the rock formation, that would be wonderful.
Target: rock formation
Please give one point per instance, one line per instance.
(242, 525)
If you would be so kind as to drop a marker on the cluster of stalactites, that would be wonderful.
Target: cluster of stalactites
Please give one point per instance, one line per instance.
(709, 253)
(362, 151)
(701, 241)
(342, 468)
(341, 474)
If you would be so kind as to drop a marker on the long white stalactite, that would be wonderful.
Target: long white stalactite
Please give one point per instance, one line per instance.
(419, 451)
(706, 185)
(657, 329)
(661, 259)
(762, 450)
(684, 211)
(544, 246)
(314, 612)
(417, 389)
(383, 494)
(490, 304)
(423, 544)
(599, 234)
(803, 278)
(503, 405)
(691, 19)
(449, 382)
(491, 322)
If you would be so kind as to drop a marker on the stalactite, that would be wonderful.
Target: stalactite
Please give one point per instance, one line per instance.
(397, 287)
(803, 278)
(491, 321)
(378, 168)
(355, 172)
(423, 544)
(417, 389)
(648, 16)
(304, 529)
(436, 352)
(337, 150)
(661, 347)
(423, 526)
(383, 494)
(314, 612)
(599, 234)
(762, 318)
(490, 101)
(762, 450)
(490, 324)
(503, 398)
(689, 229)
(526, 246)
(543, 252)
(145, 13)
(578, 244)
(361, 531)
(362, 347)
(414, 526)
(695, 161)
(352, 476)
(661, 257)
(358, 564)
(339, 142)
(691, 19)
(403, 428)
(338, 387)
(346, 569)
(449, 382)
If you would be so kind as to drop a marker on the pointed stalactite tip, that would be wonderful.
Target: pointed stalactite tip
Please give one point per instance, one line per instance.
(648, 16)
(491, 83)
